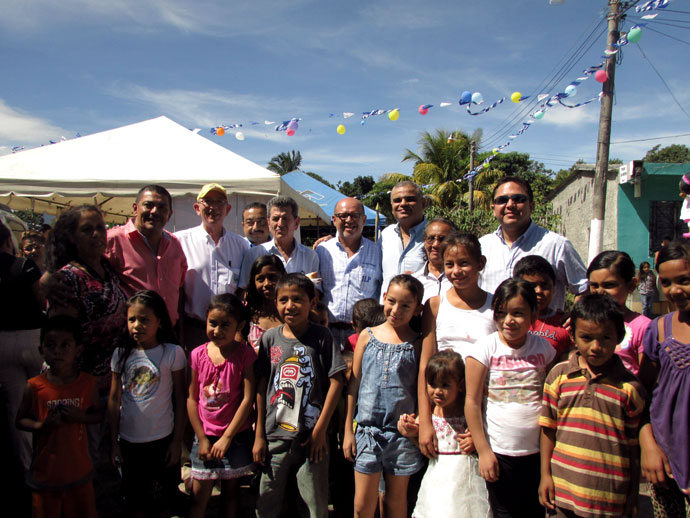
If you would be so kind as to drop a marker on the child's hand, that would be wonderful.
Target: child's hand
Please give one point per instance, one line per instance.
(547, 492)
(116, 455)
(465, 441)
(259, 451)
(204, 449)
(219, 448)
(317, 445)
(349, 446)
(408, 426)
(428, 443)
(172, 456)
(488, 467)
(53, 418)
(654, 464)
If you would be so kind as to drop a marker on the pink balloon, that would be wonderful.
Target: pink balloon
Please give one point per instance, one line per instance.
(290, 132)
(423, 110)
(601, 76)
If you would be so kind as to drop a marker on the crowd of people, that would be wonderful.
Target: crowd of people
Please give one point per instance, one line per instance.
(430, 373)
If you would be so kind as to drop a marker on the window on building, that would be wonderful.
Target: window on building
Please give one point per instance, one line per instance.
(664, 222)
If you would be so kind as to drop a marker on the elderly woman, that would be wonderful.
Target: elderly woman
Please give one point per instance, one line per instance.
(90, 290)
(21, 318)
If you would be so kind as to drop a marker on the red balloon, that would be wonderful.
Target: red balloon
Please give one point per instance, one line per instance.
(290, 132)
(423, 110)
(601, 76)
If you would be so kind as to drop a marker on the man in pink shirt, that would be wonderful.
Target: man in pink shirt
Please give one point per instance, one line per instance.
(144, 255)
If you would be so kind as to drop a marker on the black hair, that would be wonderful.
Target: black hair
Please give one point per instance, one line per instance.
(158, 189)
(62, 323)
(443, 365)
(674, 250)
(254, 205)
(511, 288)
(618, 262)
(641, 274)
(60, 248)
(299, 281)
(283, 202)
(252, 296)
(684, 184)
(599, 308)
(230, 304)
(316, 311)
(513, 179)
(367, 313)
(411, 284)
(165, 334)
(534, 265)
(33, 234)
(469, 241)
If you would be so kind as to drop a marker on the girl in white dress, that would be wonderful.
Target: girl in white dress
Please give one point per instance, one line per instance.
(452, 485)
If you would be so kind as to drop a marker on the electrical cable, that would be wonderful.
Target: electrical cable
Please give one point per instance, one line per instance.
(650, 138)
(663, 81)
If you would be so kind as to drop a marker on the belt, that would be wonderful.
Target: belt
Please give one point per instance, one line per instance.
(340, 325)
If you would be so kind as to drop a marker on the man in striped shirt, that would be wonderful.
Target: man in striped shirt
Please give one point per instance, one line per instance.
(590, 420)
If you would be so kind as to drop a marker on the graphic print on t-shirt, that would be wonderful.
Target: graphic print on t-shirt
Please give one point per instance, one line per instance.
(292, 384)
(142, 378)
(213, 394)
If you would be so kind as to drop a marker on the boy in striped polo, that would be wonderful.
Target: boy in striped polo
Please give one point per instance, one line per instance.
(590, 420)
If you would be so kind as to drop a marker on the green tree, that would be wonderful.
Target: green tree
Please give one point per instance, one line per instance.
(320, 178)
(442, 160)
(675, 154)
(32, 219)
(359, 187)
(284, 163)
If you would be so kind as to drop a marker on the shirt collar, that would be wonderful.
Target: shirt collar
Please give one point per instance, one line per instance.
(131, 229)
(614, 369)
(415, 231)
(530, 229)
(340, 245)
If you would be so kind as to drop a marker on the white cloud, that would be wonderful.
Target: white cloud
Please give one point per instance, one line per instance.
(19, 128)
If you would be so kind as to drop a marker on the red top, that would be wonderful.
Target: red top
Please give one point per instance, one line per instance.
(553, 332)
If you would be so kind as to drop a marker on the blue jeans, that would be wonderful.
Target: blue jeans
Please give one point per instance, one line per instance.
(647, 305)
(284, 459)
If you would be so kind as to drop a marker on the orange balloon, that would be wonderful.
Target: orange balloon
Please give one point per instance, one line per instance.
(220, 131)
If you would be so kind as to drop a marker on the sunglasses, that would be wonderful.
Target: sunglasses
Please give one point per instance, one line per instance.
(516, 198)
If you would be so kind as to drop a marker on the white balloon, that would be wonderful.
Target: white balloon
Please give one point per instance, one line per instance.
(239, 135)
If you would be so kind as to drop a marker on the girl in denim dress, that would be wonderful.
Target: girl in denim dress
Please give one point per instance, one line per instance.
(384, 386)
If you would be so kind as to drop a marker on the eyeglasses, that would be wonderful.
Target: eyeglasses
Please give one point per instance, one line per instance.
(516, 198)
(429, 240)
(213, 202)
(343, 216)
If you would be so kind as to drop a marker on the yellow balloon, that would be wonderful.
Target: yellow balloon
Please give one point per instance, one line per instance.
(394, 114)
(515, 97)
(340, 129)
(495, 150)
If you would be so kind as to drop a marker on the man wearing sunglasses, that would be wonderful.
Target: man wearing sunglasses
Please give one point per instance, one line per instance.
(214, 258)
(349, 266)
(518, 236)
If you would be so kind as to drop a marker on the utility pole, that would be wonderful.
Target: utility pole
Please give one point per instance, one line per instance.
(473, 151)
(596, 236)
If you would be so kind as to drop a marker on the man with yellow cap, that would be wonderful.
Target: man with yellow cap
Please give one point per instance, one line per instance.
(214, 258)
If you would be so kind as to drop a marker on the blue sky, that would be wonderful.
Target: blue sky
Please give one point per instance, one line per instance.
(88, 65)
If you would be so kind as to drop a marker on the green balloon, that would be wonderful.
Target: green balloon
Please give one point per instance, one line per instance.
(634, 35)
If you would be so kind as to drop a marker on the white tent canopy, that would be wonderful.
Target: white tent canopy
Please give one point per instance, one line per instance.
(108, 168)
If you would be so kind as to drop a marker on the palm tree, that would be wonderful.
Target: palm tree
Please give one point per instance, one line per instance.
(484, 183)
(284, 163)
(442, 160)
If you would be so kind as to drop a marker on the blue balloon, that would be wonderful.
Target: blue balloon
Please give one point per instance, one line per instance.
(466, 97)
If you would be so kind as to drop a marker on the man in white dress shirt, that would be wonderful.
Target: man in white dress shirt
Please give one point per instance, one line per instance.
(518, 236)
(283, 221)
(214, 258)
(349, 266)
(402, 243)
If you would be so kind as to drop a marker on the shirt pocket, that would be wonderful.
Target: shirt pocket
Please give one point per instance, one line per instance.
(364, 276)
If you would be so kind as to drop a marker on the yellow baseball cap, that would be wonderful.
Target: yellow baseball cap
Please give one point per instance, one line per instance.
(212, 187)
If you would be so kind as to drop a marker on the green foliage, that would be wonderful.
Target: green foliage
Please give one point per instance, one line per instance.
(320, 179)
(284, 163)
(32, 219)
(675, 154)
(359, 187)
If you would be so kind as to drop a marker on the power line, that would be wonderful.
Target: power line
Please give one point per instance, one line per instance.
(663, 81)
(668, 36)
(650, 138)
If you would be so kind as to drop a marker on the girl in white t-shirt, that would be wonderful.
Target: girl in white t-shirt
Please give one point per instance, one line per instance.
(455, 320)
(504, 378)
(146, 407)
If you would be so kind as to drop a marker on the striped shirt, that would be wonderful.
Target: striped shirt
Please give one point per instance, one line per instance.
(397, 258)
(596, 420)
(346, 280)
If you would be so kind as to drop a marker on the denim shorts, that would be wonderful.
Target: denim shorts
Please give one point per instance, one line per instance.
(386, 451)
(236, 463)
